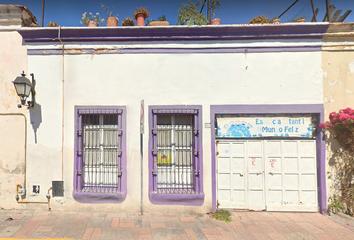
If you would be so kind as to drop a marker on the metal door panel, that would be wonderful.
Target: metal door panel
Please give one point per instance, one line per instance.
(307, 165)
(291, 197)
(279, 175)
(290, 164)
(306, 148)
(238, 181)
(289, 147)
(244, 181)
(308, 182)
(275, 197)
(291, 179)
(239, 198)
(230, 175)
(256, 200)
(309, 197)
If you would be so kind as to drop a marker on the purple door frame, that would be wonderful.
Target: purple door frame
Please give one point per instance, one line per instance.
(275, 109)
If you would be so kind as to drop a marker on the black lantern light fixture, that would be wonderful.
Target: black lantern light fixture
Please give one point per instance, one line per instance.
(23, 88)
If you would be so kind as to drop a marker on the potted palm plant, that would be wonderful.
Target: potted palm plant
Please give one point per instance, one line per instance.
(112, 21)
(214, 5)
(188, 14)
(140, 15)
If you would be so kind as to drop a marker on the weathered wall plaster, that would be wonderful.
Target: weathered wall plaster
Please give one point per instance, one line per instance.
(13, 59)
(338, 79)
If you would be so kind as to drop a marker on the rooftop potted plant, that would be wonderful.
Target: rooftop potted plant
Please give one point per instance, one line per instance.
(214, 5)
(140, 15)
(300, 19)
(112, 21)
(128, 22)
(275, 20)
(91, 20)
(161, 21)
(52, 24)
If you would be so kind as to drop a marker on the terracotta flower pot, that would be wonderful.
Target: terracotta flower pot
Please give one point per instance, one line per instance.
(159, 23)
(112, 22)
(301, 20)
(276, 20)
(215, 21)
(92, 24)
(140, 19)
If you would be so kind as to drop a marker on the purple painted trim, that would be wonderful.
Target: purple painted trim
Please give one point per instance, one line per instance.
(175, 33)
(94, 198)
(176, 199)
(274, 109)
(311, 48)
(86, 197)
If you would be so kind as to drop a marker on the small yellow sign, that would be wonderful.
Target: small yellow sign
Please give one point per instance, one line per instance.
(164, 157)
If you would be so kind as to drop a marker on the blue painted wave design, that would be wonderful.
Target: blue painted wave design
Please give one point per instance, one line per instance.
(237, 130)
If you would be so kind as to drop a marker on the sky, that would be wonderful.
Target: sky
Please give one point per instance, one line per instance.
(69, 13)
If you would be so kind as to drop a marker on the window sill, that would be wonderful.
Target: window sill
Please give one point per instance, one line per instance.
(177, 199)
(87, 197)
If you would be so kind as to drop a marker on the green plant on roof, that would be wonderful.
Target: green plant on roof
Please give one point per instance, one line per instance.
(128, 22)
(259, 20)
(141, 10)
(188, 14)
(160, 19)
(91, 17)
(109, 11)
(52, 24)
(214, 5)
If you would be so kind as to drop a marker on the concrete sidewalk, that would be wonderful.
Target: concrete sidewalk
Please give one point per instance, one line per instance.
(245, 225)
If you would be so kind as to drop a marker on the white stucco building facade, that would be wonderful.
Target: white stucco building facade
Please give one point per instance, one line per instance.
(84, 130)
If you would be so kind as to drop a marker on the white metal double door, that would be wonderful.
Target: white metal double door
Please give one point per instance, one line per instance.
(273, 175)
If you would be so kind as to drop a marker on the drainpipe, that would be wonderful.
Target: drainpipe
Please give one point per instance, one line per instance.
(62, 111)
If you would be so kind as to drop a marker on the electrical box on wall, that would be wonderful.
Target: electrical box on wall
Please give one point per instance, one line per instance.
(58, 188)
(21, 191)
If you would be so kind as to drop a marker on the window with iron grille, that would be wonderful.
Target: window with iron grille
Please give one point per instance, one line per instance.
(175, 160)
(100, 154)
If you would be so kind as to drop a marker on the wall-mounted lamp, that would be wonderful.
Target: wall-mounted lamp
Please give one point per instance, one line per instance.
(23, 88)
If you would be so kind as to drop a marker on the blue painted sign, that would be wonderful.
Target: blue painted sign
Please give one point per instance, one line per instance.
(251, 126)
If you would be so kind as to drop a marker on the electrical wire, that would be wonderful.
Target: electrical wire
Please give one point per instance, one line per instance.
(306, 4)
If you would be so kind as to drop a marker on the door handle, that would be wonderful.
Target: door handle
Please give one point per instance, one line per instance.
(270, 173)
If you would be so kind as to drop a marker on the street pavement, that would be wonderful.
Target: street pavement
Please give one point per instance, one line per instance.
(24, 224)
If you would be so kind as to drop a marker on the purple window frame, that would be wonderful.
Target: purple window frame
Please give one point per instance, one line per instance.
(100, 197)
(316, 109)
(190, 199)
